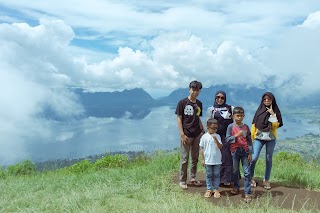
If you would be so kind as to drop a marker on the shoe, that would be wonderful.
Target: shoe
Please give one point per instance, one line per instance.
(195, 182)
(253, 183)
(266, 185)
(227, 184)
(247, 198)
(183, 185)
(208, 193)
(235, 191)
(216, 194)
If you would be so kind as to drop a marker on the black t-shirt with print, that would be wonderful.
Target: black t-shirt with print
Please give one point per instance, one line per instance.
(190, 113)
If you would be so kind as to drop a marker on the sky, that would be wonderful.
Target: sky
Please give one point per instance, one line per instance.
(99, 45)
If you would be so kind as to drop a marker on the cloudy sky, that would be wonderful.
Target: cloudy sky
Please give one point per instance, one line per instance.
(159, 46)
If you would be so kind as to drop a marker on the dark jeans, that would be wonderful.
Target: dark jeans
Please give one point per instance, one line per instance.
(241, 155)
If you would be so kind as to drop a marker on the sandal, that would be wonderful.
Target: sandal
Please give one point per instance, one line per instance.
(195, 182)
(216, 194)
(183, 185)
(266, 185)
(234, 191)
(253, 183)
(247, 198)
(208, 193)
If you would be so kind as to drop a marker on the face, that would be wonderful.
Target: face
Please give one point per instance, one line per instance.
(220, 99)
(212, 128)
(238, 117)
(194, 92)
(267, 100)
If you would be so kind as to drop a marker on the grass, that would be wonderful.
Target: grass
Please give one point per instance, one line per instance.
(143, 186)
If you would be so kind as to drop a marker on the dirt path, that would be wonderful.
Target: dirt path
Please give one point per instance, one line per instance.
(284, 197)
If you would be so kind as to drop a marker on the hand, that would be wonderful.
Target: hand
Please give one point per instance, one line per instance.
(270, 110)
(184, 139)
(250, 157)
(240, 133)
(202, 163)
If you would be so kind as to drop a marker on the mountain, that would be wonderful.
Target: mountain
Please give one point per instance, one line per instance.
(137, 103)
(134, 104)
(242, 95)
(235, 95)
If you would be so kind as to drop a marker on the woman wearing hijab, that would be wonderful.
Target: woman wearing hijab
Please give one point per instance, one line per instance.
(222, 112)
(266, 121)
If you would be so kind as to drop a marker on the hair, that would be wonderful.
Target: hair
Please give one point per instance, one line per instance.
(195, 85)
(238, 110)
(211, 121)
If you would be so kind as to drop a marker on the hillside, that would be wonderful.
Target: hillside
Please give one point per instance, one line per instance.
(134, 104)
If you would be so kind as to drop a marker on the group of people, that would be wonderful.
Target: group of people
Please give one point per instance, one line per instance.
(226, 142)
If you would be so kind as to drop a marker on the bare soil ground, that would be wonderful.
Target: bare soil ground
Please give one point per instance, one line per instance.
(282, 196)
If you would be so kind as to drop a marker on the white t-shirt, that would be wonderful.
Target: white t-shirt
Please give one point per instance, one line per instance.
(212, 154)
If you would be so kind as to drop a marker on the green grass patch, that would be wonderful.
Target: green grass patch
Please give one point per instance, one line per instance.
(143, 184)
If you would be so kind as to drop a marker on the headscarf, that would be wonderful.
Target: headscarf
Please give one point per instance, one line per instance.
(215, 104)
(261, 116)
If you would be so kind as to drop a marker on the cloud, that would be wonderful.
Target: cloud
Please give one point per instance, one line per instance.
(294, 57)
(30, 62)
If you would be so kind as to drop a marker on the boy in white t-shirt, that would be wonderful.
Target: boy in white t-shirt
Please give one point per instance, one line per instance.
(210, 145)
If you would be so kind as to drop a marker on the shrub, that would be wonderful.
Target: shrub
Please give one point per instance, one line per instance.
(111, 161)
(141, 159)
(2, 173)
(80, 167)
(289, 157)
(25, 168)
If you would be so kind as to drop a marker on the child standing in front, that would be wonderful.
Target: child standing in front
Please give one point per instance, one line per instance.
(238, 134)
(210, 145)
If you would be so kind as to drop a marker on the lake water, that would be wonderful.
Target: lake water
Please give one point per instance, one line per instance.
(91, 136)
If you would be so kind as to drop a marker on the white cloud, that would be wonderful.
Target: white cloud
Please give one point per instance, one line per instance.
(295, 57)
(34, 62)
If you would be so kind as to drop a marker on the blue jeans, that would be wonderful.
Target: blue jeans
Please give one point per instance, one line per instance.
(213, 175)
(241, 154)
(257, 146)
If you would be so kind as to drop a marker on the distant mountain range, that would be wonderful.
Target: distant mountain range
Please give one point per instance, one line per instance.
(137, 103)
(133, 104)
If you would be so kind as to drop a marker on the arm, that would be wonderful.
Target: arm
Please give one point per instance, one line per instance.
(273, 118)
(201, 126)
(202, 156)
(183, 137)
(253, 132)
(230, 138)
(249, 141)
(209, 113)
(216, 139)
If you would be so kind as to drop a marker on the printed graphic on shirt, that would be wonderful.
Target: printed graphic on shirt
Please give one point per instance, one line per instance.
(189, 110)
(198, 111)
(224, 112)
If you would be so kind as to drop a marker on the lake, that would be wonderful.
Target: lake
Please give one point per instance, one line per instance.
(90, 136)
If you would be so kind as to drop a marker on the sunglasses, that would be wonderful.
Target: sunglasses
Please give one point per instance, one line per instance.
(220, 97)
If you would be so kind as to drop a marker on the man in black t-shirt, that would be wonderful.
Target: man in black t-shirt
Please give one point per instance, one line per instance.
(190, 128)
